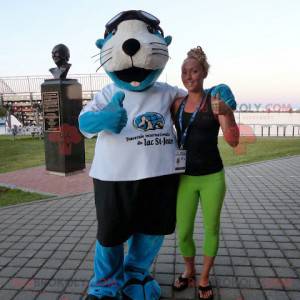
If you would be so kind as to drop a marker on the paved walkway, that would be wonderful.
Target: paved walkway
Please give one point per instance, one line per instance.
(46, 248)
(39, 180)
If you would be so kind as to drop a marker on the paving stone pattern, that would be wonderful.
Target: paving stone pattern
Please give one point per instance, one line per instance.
(46, 248)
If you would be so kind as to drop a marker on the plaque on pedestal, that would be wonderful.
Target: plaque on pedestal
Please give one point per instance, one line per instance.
(64, 144)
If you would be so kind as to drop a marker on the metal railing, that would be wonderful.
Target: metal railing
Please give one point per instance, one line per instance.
(274, 130)
(20, 94)
(32, 84)
(268, 130)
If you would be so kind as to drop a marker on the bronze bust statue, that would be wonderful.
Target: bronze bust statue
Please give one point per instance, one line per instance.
(61, 56)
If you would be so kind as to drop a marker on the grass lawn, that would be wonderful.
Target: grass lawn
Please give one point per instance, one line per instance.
(25, 152)
(14, 196)
(264, 148)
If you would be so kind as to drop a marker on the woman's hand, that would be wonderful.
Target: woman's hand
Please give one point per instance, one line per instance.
(225, 94)
(219, 107)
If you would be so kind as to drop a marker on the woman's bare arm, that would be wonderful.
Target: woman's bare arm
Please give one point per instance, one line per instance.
(227, 121)
(175, 107)
(229, 128)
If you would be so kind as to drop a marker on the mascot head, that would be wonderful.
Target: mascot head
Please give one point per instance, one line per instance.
(134, 50)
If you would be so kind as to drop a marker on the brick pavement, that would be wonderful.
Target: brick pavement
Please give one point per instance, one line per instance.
(38, 180)
(46, 248)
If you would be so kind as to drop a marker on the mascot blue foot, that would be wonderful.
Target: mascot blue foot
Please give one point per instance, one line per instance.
(108, 272)
(141, 289)
(130, 276)
(139, 285)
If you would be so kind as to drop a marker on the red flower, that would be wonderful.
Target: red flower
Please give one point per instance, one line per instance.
(65, 138)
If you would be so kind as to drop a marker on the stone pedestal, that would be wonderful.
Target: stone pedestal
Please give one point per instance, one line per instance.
(64, 144)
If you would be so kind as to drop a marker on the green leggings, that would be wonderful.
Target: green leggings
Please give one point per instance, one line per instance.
(210, 190)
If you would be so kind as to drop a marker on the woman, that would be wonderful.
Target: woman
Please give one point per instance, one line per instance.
(198, 118)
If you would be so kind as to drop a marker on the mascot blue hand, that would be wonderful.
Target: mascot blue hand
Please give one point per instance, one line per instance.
(113, 117)
(225, 94)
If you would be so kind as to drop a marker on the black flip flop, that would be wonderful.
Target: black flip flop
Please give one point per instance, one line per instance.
(184, 283)
(205, 289)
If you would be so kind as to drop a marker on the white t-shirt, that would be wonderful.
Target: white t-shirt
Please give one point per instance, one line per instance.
(146, 145)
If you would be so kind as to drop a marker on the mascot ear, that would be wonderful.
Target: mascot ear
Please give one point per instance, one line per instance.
(100, 43)
(168, 40)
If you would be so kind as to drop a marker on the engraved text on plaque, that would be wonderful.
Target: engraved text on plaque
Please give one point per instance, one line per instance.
(51, 111)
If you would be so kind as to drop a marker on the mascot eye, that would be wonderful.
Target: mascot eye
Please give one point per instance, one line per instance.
(151, 29)
(114, 31)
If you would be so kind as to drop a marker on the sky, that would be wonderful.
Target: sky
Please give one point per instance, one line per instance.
(253, 46)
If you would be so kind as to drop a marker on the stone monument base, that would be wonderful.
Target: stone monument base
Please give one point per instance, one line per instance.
(64, 144)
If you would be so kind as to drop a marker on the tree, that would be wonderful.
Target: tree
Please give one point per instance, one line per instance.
(2, 111)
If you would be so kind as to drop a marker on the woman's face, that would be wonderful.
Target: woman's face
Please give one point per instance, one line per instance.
(192, 75)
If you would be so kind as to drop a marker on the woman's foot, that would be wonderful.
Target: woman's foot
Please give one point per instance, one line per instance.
(184, 281)
(205, 290)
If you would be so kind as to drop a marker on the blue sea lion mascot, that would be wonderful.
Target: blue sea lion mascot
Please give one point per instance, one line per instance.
(133, 169)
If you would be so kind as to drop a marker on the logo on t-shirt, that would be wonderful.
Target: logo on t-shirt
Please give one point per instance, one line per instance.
(149, 121)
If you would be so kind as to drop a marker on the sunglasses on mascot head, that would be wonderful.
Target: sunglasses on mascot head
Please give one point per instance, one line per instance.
(132, 15)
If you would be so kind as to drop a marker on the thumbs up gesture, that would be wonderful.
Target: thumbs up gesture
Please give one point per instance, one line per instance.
(114, 115)
(225, 94)
(219, 107)
(116, 102)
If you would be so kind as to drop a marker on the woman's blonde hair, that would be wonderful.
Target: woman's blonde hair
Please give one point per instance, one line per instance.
(200, 56)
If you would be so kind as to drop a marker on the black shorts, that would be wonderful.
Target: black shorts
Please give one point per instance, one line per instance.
(143, 206)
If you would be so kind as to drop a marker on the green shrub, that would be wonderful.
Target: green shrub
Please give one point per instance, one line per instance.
(2, 111)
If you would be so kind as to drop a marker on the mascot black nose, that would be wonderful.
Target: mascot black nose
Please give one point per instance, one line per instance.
(131, 46)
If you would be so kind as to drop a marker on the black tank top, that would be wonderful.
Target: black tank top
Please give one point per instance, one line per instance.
(201, 143)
